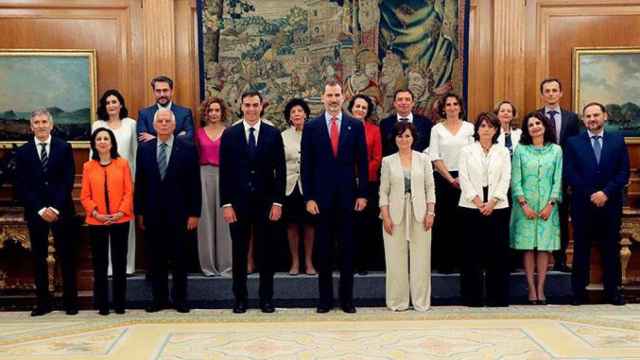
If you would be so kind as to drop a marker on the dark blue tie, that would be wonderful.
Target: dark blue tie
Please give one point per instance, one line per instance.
(597, 147)
(552, 117)
(252, 142)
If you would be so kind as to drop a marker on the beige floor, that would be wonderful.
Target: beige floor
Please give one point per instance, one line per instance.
(519, 332)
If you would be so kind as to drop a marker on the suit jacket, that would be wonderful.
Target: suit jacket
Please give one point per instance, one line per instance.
(471, 170)
(586, 176)
(184, 121)
(240, 175)
(119, 185)
(392, 186)
(177, 196)
(36, 189)
(570, 126)
(329, 180)
(423, 126)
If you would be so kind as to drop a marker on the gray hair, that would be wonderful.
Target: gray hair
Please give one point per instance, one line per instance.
(155, 116)
(41, 111)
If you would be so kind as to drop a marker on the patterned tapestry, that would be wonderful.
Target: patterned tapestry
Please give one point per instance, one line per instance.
(287, 49)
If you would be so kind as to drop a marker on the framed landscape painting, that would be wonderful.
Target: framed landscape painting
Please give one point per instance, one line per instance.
(62, 81)
(610, 75)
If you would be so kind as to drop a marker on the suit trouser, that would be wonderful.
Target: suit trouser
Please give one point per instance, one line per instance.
(446, 228)
(408, 257)
(339, 223)
(485, 245)
(103, 238)
(559, 256)
(64, 241)
(166, 241)
(602, 225)
(369, 248)
(256, 217)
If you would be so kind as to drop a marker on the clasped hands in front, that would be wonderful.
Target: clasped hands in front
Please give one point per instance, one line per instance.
(108, 219)
(485, 208)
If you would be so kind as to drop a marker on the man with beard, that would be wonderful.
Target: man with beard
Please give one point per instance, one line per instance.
(597, 169)
(163, 92)
(334, 178)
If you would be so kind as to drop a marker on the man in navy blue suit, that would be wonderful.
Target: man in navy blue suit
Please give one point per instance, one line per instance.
(597, 169)
(565, 124)
(403, 103)
(334, 179)
(167, 205)
(252, 188)
(163, 92)
(44, 180)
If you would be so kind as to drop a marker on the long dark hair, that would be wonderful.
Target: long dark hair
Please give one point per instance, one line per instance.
(102, 105)
(114, 144)
(549, 131)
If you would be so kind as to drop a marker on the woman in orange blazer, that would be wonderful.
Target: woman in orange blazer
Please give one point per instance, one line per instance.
(107, 197)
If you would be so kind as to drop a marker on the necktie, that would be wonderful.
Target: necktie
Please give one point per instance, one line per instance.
(404, 119)
(252, 141)
(554, 123)
(44, 157)
(335, 135)
(162, 160)
(597, 147)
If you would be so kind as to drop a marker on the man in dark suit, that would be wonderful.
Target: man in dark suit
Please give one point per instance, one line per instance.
(334, 179)
(163, 92)
(597, 169)
(44, 180)
(565, 124)
(403, 103)
(167, 205)
(252, 187)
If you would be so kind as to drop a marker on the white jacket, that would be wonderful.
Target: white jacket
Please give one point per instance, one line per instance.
(471, 172)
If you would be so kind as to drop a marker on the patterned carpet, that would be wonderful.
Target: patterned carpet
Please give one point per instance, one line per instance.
(451, 332)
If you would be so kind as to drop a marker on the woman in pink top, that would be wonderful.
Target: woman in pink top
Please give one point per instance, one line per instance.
(214, 240)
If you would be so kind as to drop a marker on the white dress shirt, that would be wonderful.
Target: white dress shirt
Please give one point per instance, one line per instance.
(446, 147)
(408, 117)
(557, 119)
(475, 165)
(247, 131)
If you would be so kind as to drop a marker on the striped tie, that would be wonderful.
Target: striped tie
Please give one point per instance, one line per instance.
(162, 160)
(44, 158)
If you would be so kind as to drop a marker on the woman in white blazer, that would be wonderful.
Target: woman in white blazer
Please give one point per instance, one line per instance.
(296, 113)
(509, 135)
(485, 174)
(407, 202)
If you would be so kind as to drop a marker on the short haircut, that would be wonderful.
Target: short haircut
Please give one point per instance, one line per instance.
(549, 131)
(102, 105)
(41, 111)
(251, 93)
(550, 80)
(204, 109)
(161, 78)
(155, 116)
(92, 143)
(403, 90)
(293, 103)
(594, 103)
(443, 101)
(513, 108)
(492, 120)
(401, 126)
(332, 82)
(367, 99)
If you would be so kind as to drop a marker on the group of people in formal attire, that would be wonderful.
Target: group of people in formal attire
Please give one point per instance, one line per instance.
(452, 196)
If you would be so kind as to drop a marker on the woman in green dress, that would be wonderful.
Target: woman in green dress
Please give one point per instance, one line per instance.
(536, 183)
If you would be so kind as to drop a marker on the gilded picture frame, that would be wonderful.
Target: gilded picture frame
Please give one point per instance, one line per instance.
(610, 75)
(64, 81)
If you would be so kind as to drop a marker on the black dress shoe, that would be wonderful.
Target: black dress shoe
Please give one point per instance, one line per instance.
(71, 310)
(119, 311)
(323, 309)
(40, 310)
(348, 308)
(182, 307)
(267, 307)
(103, 311)
(154, 307)
(617, 300)
(577, 301)
(542, 302)
(240, 307)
